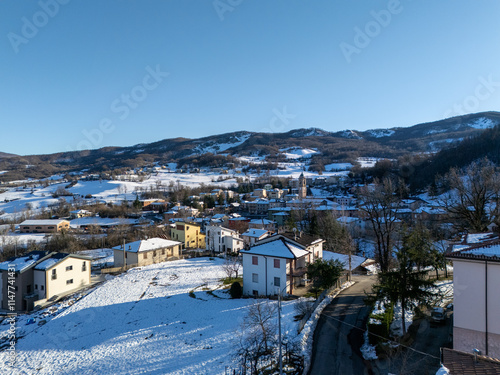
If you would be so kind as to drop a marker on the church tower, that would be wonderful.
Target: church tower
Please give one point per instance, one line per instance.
(302, 186)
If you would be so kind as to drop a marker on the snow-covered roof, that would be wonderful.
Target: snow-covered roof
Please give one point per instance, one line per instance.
(261, 221)
(488, 250)
(55, 258)
(477, 237)
(255, 233)
(147, 245)
(278, 248)
(101, 221)
(42, 222)
(21, 263)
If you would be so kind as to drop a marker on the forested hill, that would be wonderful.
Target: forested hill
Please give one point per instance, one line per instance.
(323, 147)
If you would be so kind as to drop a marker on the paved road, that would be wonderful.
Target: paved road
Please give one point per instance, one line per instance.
(336, 345)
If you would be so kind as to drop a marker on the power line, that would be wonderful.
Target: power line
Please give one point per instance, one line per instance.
(384, 338)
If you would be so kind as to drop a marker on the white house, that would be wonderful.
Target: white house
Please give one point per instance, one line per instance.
(222, 240)
(276, 264)
(476, 301)
(251, 236)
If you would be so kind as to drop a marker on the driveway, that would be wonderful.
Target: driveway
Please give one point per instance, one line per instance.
(336, 342)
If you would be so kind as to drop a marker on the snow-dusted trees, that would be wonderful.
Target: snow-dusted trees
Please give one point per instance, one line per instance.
(379, 203)
(472, 200)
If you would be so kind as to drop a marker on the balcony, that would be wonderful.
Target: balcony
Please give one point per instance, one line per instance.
(298, 272)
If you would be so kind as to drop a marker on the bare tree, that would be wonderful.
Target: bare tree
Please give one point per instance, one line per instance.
(472, 201)
(232, 265)
(379, 204)
(257, 338)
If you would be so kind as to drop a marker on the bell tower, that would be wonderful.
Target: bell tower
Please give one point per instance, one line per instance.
(302, 186)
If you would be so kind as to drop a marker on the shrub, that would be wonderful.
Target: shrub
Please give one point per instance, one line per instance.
(236, 290)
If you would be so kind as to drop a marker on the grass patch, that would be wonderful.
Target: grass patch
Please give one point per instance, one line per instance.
(230, 280)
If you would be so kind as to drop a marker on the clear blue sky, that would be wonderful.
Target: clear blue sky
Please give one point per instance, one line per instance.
(77, 74)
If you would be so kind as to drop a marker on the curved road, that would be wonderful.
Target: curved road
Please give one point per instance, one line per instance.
(336, 345)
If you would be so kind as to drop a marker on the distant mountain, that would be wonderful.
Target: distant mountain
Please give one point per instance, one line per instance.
(483, 145)
(345, 145)
(6, 155)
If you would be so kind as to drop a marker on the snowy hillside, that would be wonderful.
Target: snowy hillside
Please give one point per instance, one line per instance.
(143, 321)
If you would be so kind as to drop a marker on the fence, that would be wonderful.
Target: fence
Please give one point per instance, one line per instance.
(118, 269)
(341, 280)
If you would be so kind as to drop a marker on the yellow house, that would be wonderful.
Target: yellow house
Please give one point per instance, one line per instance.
(189, 234)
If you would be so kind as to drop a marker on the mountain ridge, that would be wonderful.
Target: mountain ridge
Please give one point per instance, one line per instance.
(345, 145)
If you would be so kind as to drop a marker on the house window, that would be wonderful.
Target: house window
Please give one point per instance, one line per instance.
(145, 256)
(255, 293)
(69, 268)
(70, 281)
(54, 275)
(255, 277)
(50, 227)
(38, 227)
(163, 252)
(276, 263)
(277, 281)
(41, 287)
(36, 286)
(255, 260)
(28, 288)
(154, 253)
(84, 266)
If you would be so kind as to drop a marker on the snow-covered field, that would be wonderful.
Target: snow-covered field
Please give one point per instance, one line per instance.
(142, 321)
(16, 200)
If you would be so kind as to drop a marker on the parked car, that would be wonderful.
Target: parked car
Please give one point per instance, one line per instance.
(438, 315)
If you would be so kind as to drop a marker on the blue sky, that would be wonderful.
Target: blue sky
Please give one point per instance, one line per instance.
(88, 74)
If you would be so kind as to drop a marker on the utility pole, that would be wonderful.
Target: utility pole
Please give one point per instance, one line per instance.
(124, 256)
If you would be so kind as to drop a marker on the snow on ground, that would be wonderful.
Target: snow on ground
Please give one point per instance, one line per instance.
(344, 259)
(367, 162)
(397, 323)
(380, 133)
(100, 257)
(215, 148)
(21, 239)
(335, 167)
(483, 123)
(296, 153)
(142, 321)
(368, 351)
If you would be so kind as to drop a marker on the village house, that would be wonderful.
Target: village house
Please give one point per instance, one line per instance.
(76, 214)
(251, 236)
(278, 264)
(146, 252)
(43, 226)
(266, 224)
(223, 240)
(476, 302)
(41, 275)
(189, 234)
